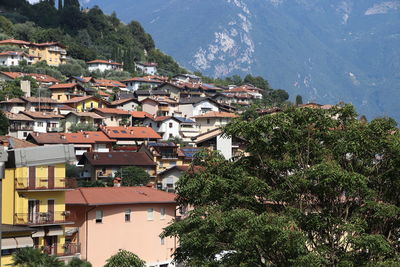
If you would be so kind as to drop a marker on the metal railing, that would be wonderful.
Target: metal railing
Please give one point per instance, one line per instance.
(44, 183)
(41, 218)
(55, 129)
(68, 249)
(169, 155)
(21, 128)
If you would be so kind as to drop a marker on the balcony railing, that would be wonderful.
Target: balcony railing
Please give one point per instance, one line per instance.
(43, 218)
(21, 128)
(68, 249)
(44, 183)
(169, 155)
(55, 129)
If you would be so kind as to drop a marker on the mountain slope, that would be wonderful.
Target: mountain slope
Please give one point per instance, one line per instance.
(327, 51)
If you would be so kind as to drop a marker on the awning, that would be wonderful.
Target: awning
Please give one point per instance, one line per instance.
(55, 231)
(25, 241)
(8, 243)
(39, 233)
(71, 231)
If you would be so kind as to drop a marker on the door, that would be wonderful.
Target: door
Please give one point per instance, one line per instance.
(32, 178)
(50, 210)
(50, 174)
(33, 211)
(50, 245)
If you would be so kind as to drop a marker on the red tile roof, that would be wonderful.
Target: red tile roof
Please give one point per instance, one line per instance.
(15, 53)
(14, 42)
(134, 132)
(123, 101)
(88, 137)
(101, 93)
(77, 99)
(17, 117)
(216, 114)
(85, 114)
(108, 83)
(121, 158)
(100, 61)
(13, 142)
(42, 115)
(96, 196)
(49, 44)
(111, 111)
(141, 114)
(64, 86)
(37, 76)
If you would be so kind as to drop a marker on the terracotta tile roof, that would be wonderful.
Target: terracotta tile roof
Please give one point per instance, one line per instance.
(65, 107)
(49, 44)
(47, 138)
(182, 168)
(141, 114)
(161, 118)
(13, 41)
(13, 100)
(96, 196)
(15, 53)
(64, 85)
(13, 142)
(216, 114)
(117, 159)
(42, 115)
(160, 99)
(134, 132)
(77, 99)
(37, 76)
(146, 79)
(88, 137)
(37, 99)
(85, 114)
(108, 83)
(123, 101)
(111, 111)
(101, 93)
(100, 61)
(17, 117)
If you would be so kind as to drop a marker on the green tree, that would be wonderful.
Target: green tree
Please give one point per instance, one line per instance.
(124, 258)
(30, 257)
(4, 124)
(299, 100)
(10, 89)
(87, 127)
(75, 262)
(317, 188)
(133, 176)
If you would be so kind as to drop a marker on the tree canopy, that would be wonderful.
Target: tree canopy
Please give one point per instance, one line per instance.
(315, 188)
(133, 176)
(124, 258)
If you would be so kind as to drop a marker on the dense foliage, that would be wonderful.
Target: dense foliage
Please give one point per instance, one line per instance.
(316, 188)
(4, 124)
(133, 176)
(31, 257)
(125, 259)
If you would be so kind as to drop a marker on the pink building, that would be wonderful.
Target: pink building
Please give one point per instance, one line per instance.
(130, 218)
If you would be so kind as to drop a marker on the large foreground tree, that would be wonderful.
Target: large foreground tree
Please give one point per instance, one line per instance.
(316, 188)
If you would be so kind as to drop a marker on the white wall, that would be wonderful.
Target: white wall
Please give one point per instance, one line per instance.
(224, 145)
(204, 107)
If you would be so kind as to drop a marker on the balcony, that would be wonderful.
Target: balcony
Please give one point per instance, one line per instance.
(44, 184)
(169, 156)
(44, 218)
(15, 128)
(55, 129)
(68, 249)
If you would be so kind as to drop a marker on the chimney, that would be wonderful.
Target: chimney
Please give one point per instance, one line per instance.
(131, 132)
(95, 156)
(26, 88)
(117, 181)
(62, 136)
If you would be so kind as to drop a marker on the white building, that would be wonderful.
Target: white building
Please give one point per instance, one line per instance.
(45, 122)
(149, 68)
(12, 58)
(103, 65)
(134, 84)
(187, 78)
(167, 127)
(212, 120)
(195, 106)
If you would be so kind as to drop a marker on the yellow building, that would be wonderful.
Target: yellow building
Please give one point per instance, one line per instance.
(85, 103)
(34, 196)
(166, 155)
(53, 53)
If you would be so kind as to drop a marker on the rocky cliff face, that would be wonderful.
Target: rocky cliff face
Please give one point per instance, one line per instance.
(327, 51)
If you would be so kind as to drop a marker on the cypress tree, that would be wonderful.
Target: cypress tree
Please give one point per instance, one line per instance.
(60, 4)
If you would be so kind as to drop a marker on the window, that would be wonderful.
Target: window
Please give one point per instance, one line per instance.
(150, 125)
(59, 97)
(150, 216)
(40, 124)
(171, 136)
(25, 134)
(99, 216)
(170, 125)
(128, 215)
(112, 118)
(162, 241)
(158, 124)
(162, 213)
(208, 121)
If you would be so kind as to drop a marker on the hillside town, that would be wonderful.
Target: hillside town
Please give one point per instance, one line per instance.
(99, 127)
